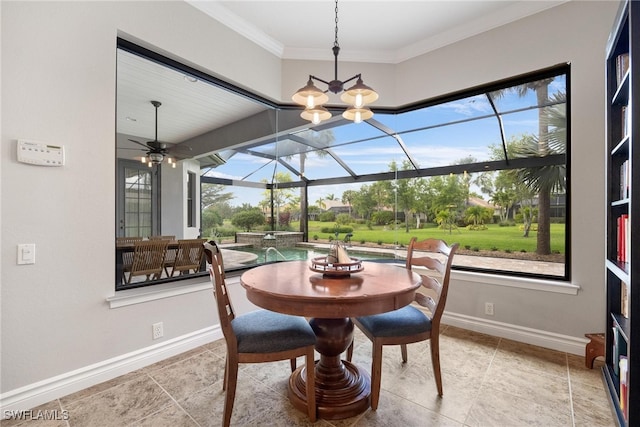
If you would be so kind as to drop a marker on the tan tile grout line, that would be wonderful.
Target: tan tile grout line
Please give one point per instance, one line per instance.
(573, 418)
(486, 373)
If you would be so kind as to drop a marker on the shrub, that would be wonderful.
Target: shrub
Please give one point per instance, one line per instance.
(477, 227)
(339, 230)
(534, 227)
(467, 247)
(248, 219)
(380, 242)
(382, 217)
(328, 216)
(344, 219)
(493, 248)
(475, 249)
(315, 237)
(362, 241)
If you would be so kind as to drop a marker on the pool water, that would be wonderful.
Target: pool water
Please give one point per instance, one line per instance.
(299, 254)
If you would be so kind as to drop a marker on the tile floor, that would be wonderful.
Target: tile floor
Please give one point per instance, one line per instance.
(488, 381)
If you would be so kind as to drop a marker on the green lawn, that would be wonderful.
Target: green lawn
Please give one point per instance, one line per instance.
(495, 238)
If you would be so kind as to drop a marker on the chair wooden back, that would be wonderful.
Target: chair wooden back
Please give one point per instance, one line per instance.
(125, 240)
(436, 256)
(220, 292)
(188, 256)
(148, 258)
(127, 256)
(167, 237)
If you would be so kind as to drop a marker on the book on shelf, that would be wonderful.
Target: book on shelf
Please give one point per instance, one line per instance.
(624, 115)
(623, 234)
(624, 299)
(622, 66)
(625, 176)
(624, 380)
(616, 349)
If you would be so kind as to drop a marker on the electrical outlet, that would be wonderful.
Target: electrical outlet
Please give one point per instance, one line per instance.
(158, 331)
(488, 308)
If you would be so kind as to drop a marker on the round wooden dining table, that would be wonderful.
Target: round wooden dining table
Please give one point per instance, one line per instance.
(342, 389)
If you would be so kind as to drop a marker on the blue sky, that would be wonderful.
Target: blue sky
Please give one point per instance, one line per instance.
(435, 136)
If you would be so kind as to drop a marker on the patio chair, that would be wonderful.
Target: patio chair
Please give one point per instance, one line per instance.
(127, 256)
(148, 259)
(259, 336)
(187, 257)
(409, 324)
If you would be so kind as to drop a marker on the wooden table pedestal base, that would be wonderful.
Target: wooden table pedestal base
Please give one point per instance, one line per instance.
(342, 389)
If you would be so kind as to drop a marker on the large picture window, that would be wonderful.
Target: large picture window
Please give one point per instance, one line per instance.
(485, 167)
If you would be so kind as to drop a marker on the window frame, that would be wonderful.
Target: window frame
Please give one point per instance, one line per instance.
(565, 158)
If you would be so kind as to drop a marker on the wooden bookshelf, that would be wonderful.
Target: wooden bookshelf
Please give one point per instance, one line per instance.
(622, 368)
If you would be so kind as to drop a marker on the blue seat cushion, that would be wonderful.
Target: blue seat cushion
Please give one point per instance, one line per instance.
(407, 320)
(264, 331)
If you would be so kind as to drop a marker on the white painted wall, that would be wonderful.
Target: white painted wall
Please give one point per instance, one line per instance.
(58, 86)
(174, 195)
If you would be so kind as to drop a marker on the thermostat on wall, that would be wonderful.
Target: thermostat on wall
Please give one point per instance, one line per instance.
(40, 154)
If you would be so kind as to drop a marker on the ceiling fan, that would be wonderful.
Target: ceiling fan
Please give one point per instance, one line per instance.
(157, 150)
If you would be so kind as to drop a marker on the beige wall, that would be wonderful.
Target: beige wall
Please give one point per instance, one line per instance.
(58, 86)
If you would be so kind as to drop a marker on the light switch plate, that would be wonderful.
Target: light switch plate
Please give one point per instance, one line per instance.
(26, 254)
(40, 154)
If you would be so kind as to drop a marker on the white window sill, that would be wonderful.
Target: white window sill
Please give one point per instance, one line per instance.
(545, 285)
(156, 292)
(168, 290)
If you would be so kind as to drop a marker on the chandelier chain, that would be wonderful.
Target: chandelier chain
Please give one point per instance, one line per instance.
(335, 43)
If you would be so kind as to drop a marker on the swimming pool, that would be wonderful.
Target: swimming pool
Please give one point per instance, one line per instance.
(293, 254)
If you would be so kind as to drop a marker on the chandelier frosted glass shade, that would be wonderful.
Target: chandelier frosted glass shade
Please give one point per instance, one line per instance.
(316, 114)
(310, 96)
(359, 94)
(357, 114)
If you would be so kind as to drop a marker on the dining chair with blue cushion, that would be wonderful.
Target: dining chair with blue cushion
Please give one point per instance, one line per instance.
(259, 336)
(432, 259)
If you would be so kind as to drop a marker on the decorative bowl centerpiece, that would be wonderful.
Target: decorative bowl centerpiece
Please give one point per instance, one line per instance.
(336, 263)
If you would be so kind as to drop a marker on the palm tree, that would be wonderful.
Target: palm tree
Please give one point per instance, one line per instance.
(348, 196)
(323, 138)
(551, 139)
(544, 180)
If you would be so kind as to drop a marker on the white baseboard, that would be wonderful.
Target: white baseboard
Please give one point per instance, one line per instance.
(565, 343)
(32, 395)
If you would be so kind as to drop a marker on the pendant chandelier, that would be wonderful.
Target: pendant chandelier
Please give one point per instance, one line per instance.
(357, 96)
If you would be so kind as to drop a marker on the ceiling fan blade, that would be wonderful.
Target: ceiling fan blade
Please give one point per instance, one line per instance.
(139, 143)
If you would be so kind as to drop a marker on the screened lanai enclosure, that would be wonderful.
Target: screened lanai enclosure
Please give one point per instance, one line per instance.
(485, 167)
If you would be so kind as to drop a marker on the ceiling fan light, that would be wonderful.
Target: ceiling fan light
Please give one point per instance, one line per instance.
(316, 114)
(359, 94)
(310, 96)
(357, 115)
(143, 159)
(156, 157)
